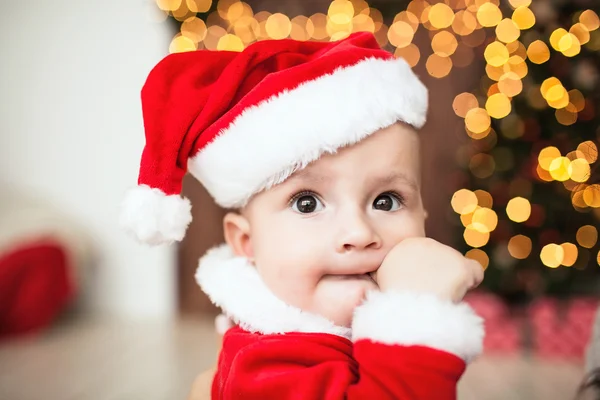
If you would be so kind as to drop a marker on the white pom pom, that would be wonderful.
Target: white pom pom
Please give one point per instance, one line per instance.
(153, 217)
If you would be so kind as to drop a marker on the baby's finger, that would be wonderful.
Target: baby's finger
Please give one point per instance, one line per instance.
(477, 272)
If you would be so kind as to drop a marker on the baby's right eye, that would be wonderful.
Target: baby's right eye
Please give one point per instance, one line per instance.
(306, 203)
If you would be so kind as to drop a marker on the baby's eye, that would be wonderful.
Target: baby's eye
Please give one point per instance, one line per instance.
(387, 202)
(306, 204)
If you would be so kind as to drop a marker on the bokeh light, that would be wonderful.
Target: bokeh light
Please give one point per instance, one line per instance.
(587, 236)
(518, 209)
(519, 247)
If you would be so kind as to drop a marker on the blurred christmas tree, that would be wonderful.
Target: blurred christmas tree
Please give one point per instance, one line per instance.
(530, 198)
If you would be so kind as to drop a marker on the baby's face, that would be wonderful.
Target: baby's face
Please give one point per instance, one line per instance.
(315, 237)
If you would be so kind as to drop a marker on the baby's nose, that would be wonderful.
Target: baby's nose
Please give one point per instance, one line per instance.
(357, 234)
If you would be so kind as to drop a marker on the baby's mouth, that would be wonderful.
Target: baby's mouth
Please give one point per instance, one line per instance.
(366, 277)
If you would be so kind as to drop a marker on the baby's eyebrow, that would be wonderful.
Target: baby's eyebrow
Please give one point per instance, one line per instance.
(307, 175)
(397, 177)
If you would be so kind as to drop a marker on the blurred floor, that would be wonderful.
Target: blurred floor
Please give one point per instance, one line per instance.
(100, 360)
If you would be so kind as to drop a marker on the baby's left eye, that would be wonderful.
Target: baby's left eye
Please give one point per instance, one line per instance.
(387, 202)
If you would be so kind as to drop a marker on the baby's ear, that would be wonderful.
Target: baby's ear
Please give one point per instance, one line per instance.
(236, 229)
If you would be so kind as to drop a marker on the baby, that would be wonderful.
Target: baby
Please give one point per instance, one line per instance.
(335, 291)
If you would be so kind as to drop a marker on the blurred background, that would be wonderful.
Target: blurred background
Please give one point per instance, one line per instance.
(510, 172)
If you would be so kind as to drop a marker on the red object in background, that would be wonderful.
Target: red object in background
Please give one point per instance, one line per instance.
(503, 332)
(562, 331)
(35, 286)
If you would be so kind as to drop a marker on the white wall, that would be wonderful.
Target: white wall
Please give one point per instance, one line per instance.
(71, 131)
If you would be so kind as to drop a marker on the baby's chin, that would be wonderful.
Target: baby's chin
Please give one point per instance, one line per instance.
(339, 296)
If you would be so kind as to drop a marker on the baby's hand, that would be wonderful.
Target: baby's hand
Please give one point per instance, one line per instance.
(425, 265)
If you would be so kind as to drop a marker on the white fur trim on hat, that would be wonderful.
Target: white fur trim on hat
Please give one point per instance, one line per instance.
(235, 286)
(153, 217)
(268, 142)
(419, 319)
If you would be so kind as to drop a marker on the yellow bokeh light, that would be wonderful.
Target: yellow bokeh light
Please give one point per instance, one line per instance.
(569, 45)
(488, 15)
(589, 151)
(464, 23)
(341, 12)
(199, 6)
(543, 174)
(494, 73)
(570, 254)
(410, 53)
(477, 120)
(438, 66)
(547, 155)
(517, 65)
(507, 31)
(510, 84)
(377, 18)
(498, 105)
(194, 28)
(441, 16)
(302, 28)
(556, 36)
(587, 236)
(400, 34)
(238, 10)
(517, 48)
(538, 52)
(466, 219)
(463, 103)
(475, 238)
(223, 8)
(181, 44)
(484, 220)
(496, 54)
(598, 258)
(518, 209)
(559, 169)
(444, 43)
(278, 26)
(484, 199)
(464, 201)
(566, 116)
(230, 42)
(557, 97)
(576, 98)
(523, 17)
(552, 255)
(213, 34)
(409, 18)
(590, 20)
(548, 84)
(319, 21)
(480, 256)
(581, 32)
(591, 196)
(168, 5)
(519, 3)
(519, 247)
(363, 23)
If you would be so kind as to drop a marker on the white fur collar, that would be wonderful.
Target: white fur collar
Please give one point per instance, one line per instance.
(233, 284)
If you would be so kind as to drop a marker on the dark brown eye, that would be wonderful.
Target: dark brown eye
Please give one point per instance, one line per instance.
(306, 204)
(386, 202)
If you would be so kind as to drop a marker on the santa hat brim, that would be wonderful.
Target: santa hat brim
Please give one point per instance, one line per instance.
(269, 141)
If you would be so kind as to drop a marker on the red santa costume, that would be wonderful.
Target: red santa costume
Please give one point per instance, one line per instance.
(243, 122)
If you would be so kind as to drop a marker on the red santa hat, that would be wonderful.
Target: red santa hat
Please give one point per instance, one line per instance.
(241, 122)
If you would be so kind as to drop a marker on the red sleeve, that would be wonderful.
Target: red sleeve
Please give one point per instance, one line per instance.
(307, 366)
